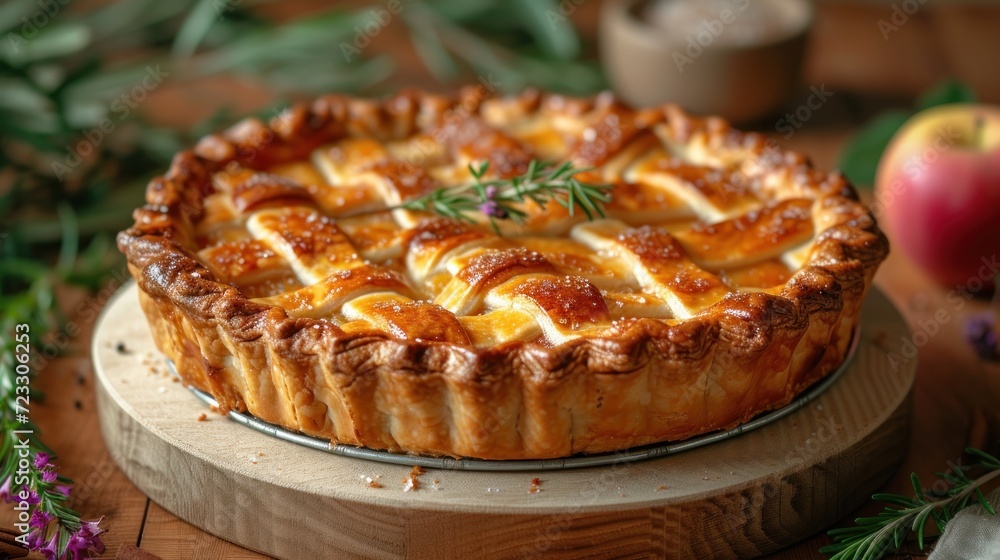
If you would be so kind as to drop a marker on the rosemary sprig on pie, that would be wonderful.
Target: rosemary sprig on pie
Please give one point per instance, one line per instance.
(503, 199)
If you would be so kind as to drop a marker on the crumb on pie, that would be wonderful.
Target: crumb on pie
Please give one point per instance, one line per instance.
(727, 276)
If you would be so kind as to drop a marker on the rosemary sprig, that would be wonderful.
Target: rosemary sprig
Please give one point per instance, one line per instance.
(873, 537)
(27, 297)
(503, 199)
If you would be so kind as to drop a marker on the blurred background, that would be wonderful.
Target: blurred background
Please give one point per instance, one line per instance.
(95, 96)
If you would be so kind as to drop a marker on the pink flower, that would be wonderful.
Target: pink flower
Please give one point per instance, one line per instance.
(40, 518)
(85, 539)
(64, 490)
(36, 538)
(50, 550)
(41, 460)
(49, 476)
(490, 206)
(5, 493)
(33, 498)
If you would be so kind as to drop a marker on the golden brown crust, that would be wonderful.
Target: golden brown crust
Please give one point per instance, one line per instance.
(394, 372)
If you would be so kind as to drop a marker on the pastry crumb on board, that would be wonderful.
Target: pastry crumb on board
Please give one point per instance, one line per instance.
(536, 486)
(412, 481)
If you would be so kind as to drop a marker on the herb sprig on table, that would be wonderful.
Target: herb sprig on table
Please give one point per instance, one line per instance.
(27, 470)
(873, 537)
(503, 199)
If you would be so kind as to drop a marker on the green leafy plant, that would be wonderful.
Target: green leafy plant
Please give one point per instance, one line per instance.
(70, 125)
(873, 537)
(523, 42)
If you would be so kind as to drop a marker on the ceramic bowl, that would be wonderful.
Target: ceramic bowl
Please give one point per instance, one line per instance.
(736, 58)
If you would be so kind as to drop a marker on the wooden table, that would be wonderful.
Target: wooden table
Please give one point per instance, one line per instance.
(955, 394)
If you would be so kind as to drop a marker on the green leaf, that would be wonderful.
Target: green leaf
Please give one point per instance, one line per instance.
(132, 17)
(70, 238)
(433, 54)
(918, 490)
(47, 76)
(54, 41)
(21, 96)
(860, 158)
(62, 541)
(461, 10)
(895, 499)
(988, 459)
(920, 523)
(111, 82)
(951, 91)
(296, 45)
(23, 268)
(987, 506)
(554, 34)
(10, 16)
(196, 26)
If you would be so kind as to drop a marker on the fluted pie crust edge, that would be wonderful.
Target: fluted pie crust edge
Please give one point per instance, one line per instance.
(650, 382)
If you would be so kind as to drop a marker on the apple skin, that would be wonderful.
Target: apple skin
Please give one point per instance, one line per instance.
(938, 193)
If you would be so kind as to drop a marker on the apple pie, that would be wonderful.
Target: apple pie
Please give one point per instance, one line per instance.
(280, 271)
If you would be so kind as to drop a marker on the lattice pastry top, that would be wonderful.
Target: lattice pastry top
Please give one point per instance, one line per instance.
(265, 228)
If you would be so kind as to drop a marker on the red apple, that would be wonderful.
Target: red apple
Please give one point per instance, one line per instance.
(938, 193)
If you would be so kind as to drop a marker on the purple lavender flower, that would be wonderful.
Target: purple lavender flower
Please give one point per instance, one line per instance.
(85, 539)
(41, 460)
(982, 335)
(5, 491)
(64, 490)
(36, 538)
(33, 498)
(493, 210)
(490, 207)
(51, 549)
(40, 519)
(49, 476)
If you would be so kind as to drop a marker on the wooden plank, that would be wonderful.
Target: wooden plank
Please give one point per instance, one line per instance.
(131, 552)
(172, 539)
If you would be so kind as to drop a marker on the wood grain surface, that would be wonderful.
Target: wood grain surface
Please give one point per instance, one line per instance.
(746, 496)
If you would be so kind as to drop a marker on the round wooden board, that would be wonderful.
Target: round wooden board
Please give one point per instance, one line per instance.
(741, 497)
